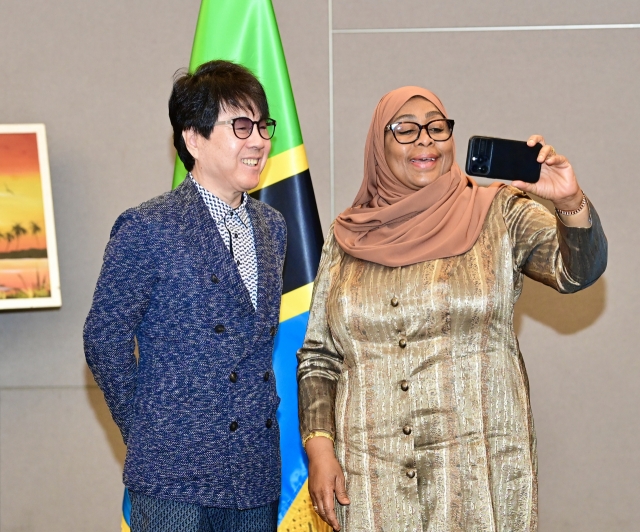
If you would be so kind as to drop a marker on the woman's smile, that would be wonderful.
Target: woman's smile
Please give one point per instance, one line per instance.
(425, 162)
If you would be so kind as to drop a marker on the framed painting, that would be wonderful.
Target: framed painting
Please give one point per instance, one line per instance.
(29, 275)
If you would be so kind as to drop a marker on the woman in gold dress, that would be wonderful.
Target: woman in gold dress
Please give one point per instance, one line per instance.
(413, 395)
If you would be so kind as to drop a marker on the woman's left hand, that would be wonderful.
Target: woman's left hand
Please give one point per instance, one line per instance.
(557, 182)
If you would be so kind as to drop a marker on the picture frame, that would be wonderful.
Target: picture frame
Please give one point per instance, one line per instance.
(29, 273)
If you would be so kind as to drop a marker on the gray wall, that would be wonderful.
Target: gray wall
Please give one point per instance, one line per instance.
(98, 74)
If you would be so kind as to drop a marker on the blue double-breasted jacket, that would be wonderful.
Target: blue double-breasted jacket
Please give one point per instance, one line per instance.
(197, 410)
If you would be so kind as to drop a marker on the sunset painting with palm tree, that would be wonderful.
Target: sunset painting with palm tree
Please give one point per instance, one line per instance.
(25, 225)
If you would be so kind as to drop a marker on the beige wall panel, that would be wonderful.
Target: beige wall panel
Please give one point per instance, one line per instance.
(305, 38)
(583, 372)
(502, 84)
(455, 13)
(578, 88)
(98, 74)
(61, 460)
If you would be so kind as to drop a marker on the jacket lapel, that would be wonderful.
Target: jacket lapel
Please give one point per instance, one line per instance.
(210, 252)
(266, 261)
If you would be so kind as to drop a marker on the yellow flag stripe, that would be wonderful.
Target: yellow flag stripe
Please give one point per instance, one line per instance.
(296, 302)
(283, 165)
(301, 517)
(124, 527)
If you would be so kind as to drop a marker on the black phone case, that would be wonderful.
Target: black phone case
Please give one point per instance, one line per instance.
(503, 159)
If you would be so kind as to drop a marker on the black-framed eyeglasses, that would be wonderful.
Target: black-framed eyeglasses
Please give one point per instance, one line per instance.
(243, 127)
(408, 132)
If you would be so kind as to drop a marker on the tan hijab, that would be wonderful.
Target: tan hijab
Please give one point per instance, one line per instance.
(390, 224)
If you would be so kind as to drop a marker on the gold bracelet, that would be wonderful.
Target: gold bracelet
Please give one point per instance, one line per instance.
(315, 433)
(583, 204)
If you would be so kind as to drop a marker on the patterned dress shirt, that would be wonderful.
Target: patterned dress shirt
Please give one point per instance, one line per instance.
(236, 231)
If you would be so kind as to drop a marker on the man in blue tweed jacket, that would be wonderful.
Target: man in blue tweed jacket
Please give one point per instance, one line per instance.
(195, 277)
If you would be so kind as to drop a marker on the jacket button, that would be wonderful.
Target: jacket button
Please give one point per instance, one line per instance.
(402, 343)
(411, 473)
(269, 423)
(214, 278)
(233, 377)
(406, 429)
(273, 330)
(404, 386)
(234, 426)
(394, 301)
(266, 376)
(219, 328)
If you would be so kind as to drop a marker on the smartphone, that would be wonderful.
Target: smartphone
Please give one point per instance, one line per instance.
(503, 159)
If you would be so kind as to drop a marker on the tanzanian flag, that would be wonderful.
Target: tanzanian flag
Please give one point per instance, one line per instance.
(246, 32)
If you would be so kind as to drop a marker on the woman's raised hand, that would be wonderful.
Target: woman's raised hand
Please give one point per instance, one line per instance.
(325, 479)
(557, 183)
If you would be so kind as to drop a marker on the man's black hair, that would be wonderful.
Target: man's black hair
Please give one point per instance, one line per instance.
(197, 99)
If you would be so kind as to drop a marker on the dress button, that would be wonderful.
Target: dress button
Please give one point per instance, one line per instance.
(219, 328)
(269, 423)
(273, 330)
(266, 376)
(406, 429)
(402, 343)
(214, 278)
(411, 473)
(404, 386)
(234, 426)
(233, 377)
(394, 301)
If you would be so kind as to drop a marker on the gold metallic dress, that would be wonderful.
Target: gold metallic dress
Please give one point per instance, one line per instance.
(416, 370)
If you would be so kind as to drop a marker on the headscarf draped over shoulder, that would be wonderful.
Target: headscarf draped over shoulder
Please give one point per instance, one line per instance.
(391, 224)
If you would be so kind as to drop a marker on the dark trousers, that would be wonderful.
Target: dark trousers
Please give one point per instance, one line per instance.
(149, 514)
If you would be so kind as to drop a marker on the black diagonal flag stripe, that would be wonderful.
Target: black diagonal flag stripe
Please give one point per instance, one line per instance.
(295, 199)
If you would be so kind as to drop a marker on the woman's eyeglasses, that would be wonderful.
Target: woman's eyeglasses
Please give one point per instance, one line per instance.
(243, 127)
(408, 132)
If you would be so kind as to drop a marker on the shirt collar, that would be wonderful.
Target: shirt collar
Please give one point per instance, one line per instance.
(221, 210)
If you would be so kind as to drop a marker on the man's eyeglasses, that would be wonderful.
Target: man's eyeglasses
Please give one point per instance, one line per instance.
(243, 127)
(408, 132)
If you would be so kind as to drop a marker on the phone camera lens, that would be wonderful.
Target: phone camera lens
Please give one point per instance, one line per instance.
(474, 168)
(483, 169)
